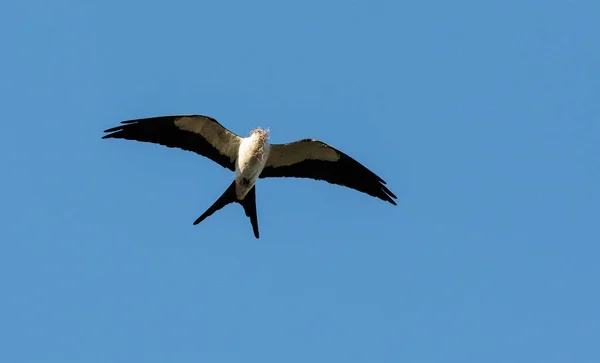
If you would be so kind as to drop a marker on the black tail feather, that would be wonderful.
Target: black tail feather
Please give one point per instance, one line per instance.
(228, 197)
(249, 204)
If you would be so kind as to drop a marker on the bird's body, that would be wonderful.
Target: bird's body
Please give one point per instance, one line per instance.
(253, 153)
(252, 157)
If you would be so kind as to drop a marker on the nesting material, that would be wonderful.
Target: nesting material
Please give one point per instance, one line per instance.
(261, 142)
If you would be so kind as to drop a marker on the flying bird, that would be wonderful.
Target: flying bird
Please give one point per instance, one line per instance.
(252, 157)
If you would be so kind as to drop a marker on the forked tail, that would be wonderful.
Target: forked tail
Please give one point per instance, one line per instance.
(248, 203)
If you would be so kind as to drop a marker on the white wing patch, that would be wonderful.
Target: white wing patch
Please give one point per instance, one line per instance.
(295, 152)
(226, 142)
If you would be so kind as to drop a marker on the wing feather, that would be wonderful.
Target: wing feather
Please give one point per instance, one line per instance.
(315, 159)
(197, 133)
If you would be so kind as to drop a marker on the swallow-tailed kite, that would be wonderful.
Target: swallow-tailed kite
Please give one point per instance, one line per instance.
(252, 157)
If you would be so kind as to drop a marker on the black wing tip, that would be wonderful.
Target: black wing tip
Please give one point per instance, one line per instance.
(114, 133)
(128, 123)
(374, 184)
(387, 196)
(391, 198)
(112, 129)
(115, 130)
(387, 191)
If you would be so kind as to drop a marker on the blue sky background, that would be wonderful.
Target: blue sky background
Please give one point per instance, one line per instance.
(483, 117)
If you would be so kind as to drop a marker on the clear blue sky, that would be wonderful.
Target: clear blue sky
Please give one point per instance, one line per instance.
(483, 117)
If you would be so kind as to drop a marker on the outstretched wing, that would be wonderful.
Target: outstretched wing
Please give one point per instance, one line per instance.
(316, 160)
(200, 134)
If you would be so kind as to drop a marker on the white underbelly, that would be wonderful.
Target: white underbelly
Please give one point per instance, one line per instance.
(251, 160)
